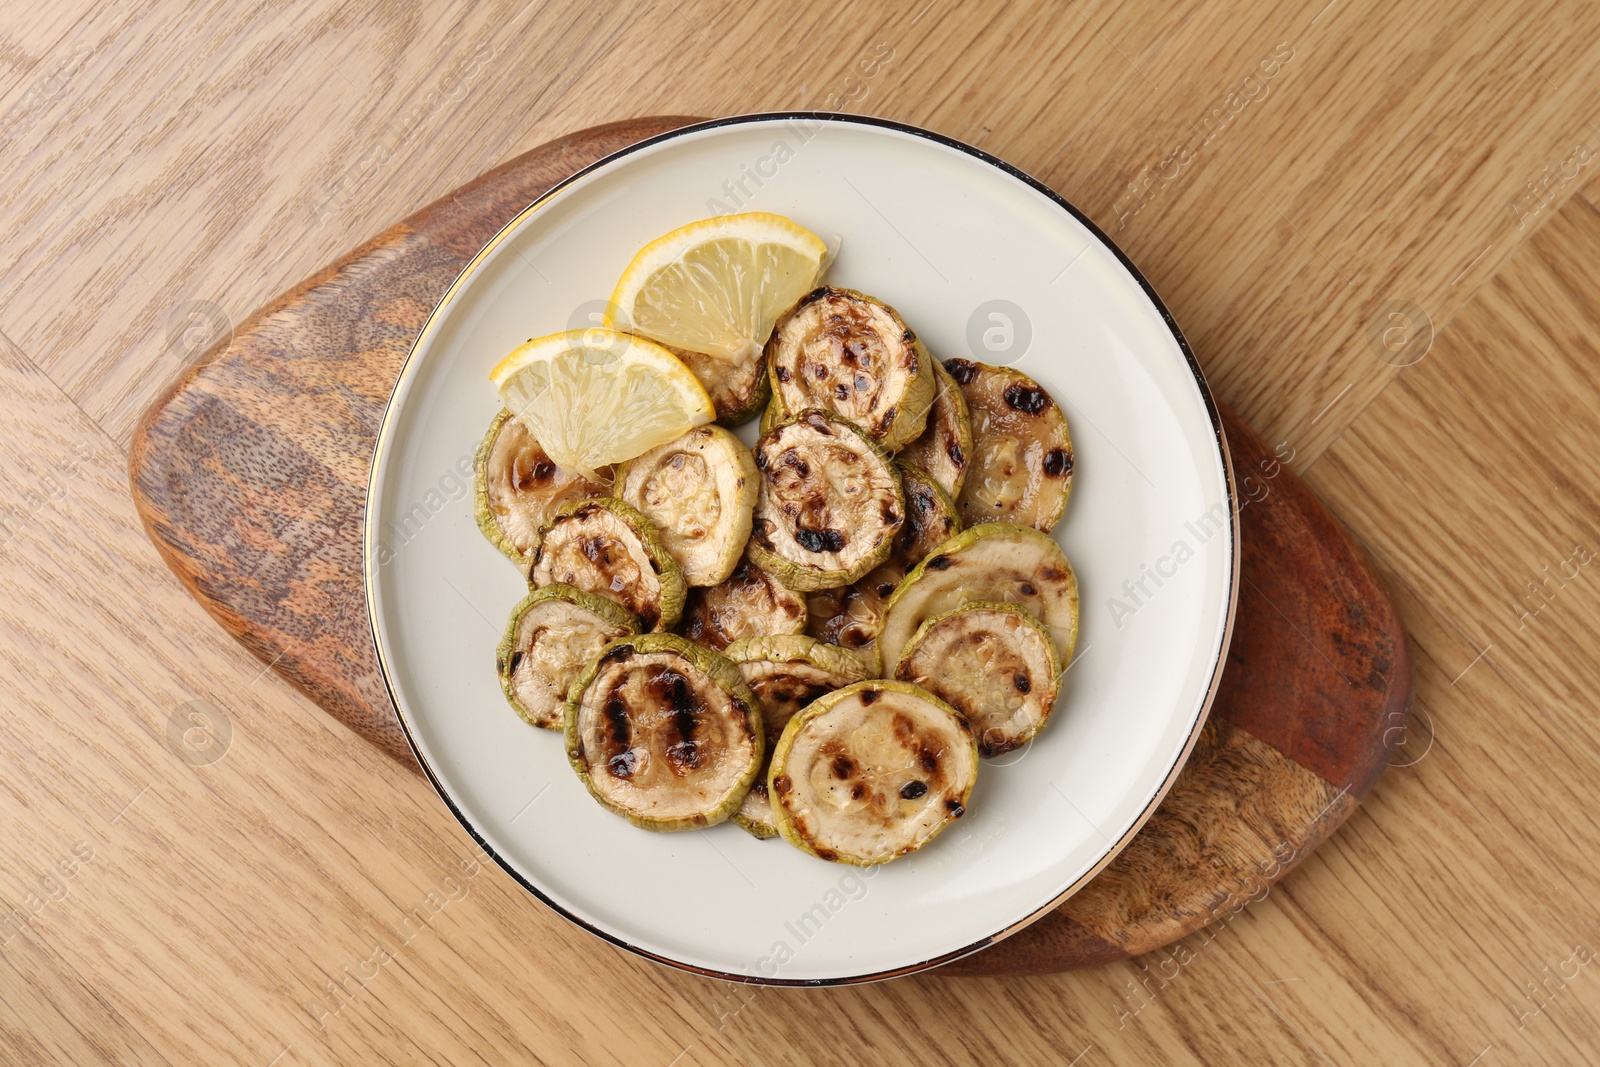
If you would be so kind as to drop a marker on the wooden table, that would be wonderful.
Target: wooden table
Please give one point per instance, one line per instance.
(1378, 225)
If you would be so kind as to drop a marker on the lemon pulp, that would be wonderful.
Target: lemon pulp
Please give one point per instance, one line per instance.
(717, 286)
(597, 397)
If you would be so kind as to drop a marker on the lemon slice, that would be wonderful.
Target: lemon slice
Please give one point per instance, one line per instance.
(717, 286)
(596, 397)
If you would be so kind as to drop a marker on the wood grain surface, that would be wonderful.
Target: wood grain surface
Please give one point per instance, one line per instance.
(169, 161)
(250, 476)
(251, 472)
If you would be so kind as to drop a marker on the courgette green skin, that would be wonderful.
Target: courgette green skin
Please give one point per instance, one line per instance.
(721, 672)
(737, 484)
(805, 577)
(608, 611)
(1043, 690)
(798, 648)
(779, 768)
(669, 575)
(900, 621)
(908, 415)
(945, 452)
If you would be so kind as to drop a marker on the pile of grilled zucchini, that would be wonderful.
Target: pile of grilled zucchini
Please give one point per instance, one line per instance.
(816, 637)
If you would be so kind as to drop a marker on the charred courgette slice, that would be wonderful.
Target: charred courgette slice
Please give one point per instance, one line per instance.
(992, 662)
(608, 548)
(755, 811)
(699, 491)
(852, 617)
(518, 488)
(785, 672)
(739, 388)
(749, 604)
(842, 351)
(931, 517)
(871, 772)
(554, 633)
(1021, 451)
(788, 671)
(830, 503)
(992, 561)
(945, 448)
(664, 732)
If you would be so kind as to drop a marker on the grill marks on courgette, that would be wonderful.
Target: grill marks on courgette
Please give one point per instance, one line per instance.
(608, 548)
(871, 772)
(830, 503)
(744, 716)
(518, 488)
(1021, 469)
(664, 732)
(841, 351)
(750, 603)
(994, 663)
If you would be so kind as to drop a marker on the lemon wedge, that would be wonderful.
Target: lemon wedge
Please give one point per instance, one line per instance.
(596, 397)
(718, 285)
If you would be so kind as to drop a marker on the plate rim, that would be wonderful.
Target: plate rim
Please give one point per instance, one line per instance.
(382, 453)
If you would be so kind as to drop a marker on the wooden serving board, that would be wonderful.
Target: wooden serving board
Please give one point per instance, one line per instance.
(250, 476)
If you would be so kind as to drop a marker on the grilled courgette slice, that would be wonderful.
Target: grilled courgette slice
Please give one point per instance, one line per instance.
(830, 503)
(852, 617)
(749, 604)
(738, 388)
(1021, 451)
(664, 732)
(699, 491)
(554, 633)
(518, 488)
(754, 816)
(945, 448)
(995, 561)
(931, 517)
(788, 671)
(994, 663)
(608, 548)
(871, 772)
(785, 672)
(842, 351)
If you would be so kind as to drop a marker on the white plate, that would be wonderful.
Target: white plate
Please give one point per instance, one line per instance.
(939, 230)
